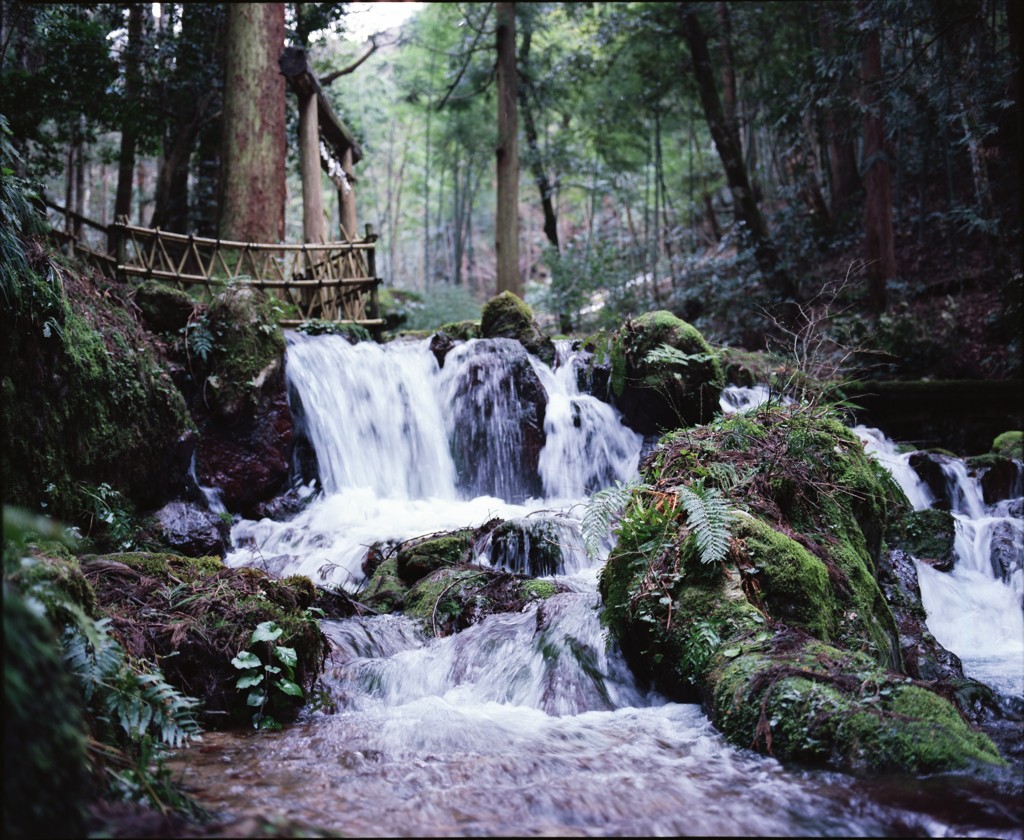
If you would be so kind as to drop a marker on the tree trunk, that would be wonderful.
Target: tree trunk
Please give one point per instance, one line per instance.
(129, 135)
(842, 159)
(254, 125)
(879, 244)
(540, 176)
(731, 154)
(507, 221)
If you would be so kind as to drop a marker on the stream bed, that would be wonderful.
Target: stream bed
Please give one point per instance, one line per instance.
(525, 724)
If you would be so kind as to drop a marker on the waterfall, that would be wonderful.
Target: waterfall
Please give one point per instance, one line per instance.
(527, 723)
(406, 446)
(977, 609)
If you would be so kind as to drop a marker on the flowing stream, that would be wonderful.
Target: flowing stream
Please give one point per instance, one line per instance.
(525, 724)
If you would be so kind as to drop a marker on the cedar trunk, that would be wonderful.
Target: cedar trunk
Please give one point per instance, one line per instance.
(879, 244)
(254, 124)
(730, 152)
(507, 221)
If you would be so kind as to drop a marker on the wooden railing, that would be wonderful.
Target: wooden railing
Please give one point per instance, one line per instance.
(333, 281)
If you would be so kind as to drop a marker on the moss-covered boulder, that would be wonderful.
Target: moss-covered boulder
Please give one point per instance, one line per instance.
(1009, 445)
(928, 535)
(84, 399)
(240, 403)
(507, 316)
(746, 576)
(415, 559)
(194, 615)
(664, 374)
(165, 308)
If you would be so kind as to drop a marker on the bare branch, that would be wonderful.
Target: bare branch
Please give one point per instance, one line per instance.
(330, 77)
(468, 56)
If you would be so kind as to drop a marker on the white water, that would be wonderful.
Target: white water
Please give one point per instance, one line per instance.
(525, 724)
(973, 610)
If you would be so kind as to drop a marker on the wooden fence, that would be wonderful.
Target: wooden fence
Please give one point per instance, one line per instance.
(333, 281)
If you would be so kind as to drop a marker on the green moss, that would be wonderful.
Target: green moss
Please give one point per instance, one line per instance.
(537, 590)
(928, 535)
(166, 566)
(793, 582)
(56, 582)
(507, 316)
(658, 394)
(385, 590)
(1009, 445)
(461, 330)
(816, 704)
(418, 559)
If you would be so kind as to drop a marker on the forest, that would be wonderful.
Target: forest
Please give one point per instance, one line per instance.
(713, 159)
(584, 418)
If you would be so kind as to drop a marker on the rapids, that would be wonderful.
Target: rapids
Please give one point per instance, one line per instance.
(525, 724)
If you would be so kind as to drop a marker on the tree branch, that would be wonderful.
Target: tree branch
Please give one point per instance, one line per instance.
(330, 77)
(465, 63)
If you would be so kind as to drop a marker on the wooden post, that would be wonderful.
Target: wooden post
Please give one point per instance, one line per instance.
(309, 155)
(347, 198)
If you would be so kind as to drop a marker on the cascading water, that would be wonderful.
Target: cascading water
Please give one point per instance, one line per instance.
(525, 723)
(977, 609)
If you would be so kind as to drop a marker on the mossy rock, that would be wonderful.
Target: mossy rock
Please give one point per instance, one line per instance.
(385, 590)
(46, 783)
(165, 308)
(795, 605)
(248, 352)
(416, 559)
(1009, 445)
(529, 545)
(664, 374)
(507, 316)
(802, 701)
(928, 535)
(193, 615)
(461, 330)
(57, 582)
(89, 397)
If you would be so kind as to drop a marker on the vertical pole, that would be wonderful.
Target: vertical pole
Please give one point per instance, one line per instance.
(309, 152)
(347, 199)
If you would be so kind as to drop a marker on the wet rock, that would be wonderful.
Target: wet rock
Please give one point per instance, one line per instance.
(664, 374)
(923, 657)
(192, 531)
(440, 344)
(165, 308)
(531, 546)
(929, 468)
(506, 316)
(497, 379)
(1007, 550)
(929, 536)
(1002, 480)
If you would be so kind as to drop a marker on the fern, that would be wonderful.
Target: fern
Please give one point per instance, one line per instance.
(666, 354)
(709, 518)
(603, 509)
(136, 702)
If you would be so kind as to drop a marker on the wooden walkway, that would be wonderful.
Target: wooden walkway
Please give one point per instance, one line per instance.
(333, 281)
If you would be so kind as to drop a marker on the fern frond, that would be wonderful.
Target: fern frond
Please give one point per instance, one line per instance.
(666, 354)
(603, 509)
(709, 518)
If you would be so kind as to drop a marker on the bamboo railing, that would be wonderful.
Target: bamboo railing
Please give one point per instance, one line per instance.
(333, 281)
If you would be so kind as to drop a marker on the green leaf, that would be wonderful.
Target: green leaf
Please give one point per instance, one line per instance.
(266, 631)
(249, 680)
(256, 698)
(732, 653)
(246, 660)
(287, 655)
(288, 687)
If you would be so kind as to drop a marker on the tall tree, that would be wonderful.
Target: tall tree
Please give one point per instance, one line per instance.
(507, 217)
(730, 152)
(132, 94)
(254, 124)
(879, 242)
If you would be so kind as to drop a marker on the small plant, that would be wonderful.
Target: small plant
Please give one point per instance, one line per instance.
(266, 681)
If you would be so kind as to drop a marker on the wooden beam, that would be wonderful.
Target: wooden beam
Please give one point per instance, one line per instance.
(302, 79)
(309, 156)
